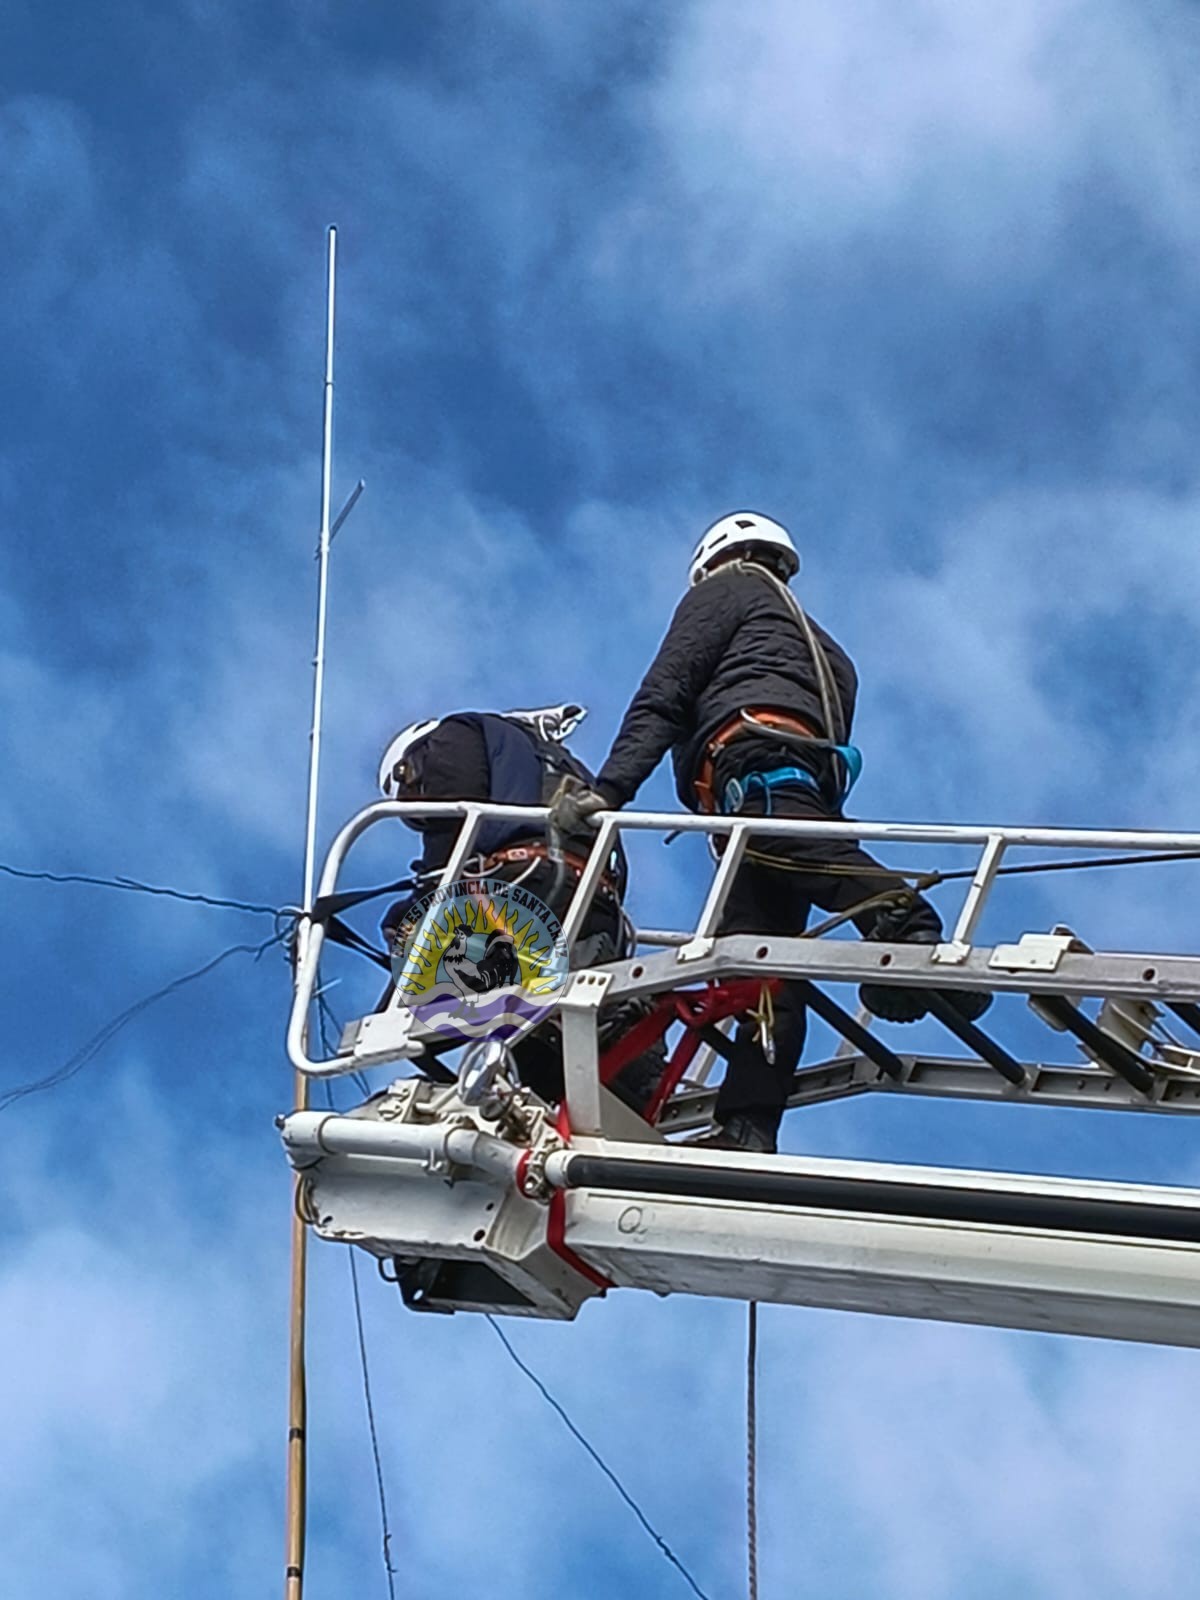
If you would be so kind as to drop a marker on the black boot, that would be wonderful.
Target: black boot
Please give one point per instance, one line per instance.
(969, 1003)
(893, 1002)
(756, 1131)
(637, 1084)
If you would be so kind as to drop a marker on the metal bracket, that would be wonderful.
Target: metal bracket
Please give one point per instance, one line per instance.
(1036, 952)
(581, 1050)
(586, 990)
(1134, 1023)
(1130, 1021)
(386, 1035)
(951, 954)
(695, 949)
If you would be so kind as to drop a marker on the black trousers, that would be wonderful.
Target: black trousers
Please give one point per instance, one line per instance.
(769, 899)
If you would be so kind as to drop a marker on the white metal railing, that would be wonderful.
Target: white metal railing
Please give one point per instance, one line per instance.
(993, 841)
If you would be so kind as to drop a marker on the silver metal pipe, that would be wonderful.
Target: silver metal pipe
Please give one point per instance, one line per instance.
(556, 1169)
(462, 846)
(483, 1153)
(722, 883)
(309, 1135)
(981, 885)
(589, 878)
(910, 832)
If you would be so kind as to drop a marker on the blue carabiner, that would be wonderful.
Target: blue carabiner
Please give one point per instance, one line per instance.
(852, 758)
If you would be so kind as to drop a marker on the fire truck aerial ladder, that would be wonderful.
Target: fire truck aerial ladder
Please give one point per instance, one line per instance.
(473, 1194)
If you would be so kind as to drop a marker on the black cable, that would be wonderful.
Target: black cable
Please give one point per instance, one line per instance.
(932, 880)
(366, 1378)
(608, 1472)
(109, 1031)
(135, 887)
(752, 1451)
(327, 1020)
(370, 1404)
(1150, 859)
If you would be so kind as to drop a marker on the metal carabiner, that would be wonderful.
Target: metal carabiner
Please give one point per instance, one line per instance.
(764, 1016)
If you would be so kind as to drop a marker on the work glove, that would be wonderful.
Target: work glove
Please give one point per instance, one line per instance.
(574, 804)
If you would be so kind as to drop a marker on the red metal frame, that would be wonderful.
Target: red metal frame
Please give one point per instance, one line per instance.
(696, 1009)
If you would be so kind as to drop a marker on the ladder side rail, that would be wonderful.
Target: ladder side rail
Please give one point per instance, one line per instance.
(1078, 974)
(1081, 1086)
(994, 840)
(952, 833)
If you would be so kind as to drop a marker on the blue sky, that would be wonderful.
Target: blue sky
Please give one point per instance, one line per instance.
(918, 278)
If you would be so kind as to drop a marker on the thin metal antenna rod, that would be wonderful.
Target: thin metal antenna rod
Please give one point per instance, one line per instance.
(297, 1455)
(314, 757)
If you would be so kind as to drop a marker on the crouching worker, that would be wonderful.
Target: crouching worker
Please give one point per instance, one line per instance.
(516, 758)
(755, 701)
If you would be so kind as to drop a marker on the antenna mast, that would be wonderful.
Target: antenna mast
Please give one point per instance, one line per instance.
(314, 758)
(297, 1388)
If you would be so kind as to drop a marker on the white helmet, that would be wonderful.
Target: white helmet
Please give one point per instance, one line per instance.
(738, 531)
(389, 777)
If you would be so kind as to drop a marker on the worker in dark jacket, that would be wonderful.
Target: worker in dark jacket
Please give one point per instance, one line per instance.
(755, 702)
(512, 758)
(515, 758)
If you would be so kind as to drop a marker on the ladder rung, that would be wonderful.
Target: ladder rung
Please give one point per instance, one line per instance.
(852, 1030)
(1102, 1045)
(985, 1047)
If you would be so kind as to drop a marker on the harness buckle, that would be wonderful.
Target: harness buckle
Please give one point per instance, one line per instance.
(733, 797)
(736, 790)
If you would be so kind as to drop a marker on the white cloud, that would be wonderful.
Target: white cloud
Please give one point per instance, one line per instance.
(777, 136)
(950, 137)
(1043, 670)
(965, 1461)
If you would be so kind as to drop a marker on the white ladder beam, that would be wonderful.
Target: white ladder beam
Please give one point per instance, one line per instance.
(1114, 1261)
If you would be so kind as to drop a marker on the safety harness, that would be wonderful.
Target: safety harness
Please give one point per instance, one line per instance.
(846, 759)
(535, 850)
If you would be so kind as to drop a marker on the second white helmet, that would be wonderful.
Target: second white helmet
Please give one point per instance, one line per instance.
(390, 781)
(739, 531)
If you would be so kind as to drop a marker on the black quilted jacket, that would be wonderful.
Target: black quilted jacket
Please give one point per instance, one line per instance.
(733, 643)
